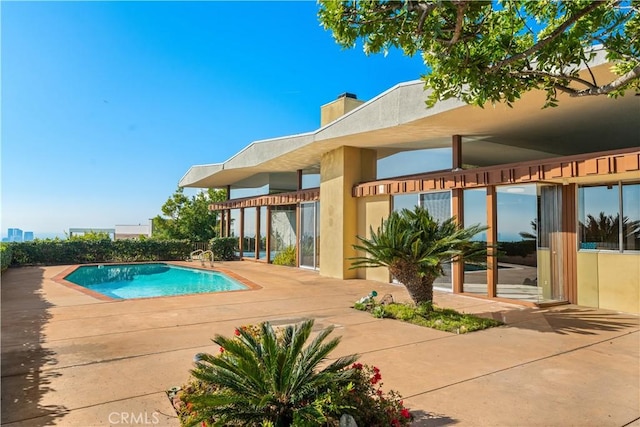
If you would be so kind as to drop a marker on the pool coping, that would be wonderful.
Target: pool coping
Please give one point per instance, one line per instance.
(60, 279)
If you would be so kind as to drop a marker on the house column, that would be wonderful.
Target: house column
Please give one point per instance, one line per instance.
(256, 239)
(456, 152)
(268, 236)
(457, 202)
(569, 242)
(298, 236)
(492, 241)
(457, 207)
(340, 170)
(241, 243)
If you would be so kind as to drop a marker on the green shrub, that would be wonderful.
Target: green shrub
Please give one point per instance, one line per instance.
(83, 251)
(266, 376)
(224, 248)
(6, 252)
(443, 319)
(286, 257)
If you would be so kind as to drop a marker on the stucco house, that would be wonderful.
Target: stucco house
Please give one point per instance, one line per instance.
(558, 188)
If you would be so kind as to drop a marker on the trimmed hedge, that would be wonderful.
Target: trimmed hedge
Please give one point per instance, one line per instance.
(52, 252)
(224, 248)
(5, 255)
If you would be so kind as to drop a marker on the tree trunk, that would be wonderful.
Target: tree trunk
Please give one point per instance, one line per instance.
(420, 287)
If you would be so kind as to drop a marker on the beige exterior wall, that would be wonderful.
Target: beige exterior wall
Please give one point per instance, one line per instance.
(371, 212)
(544, 272)
(587, 278)
(340, 170)
(609, 280)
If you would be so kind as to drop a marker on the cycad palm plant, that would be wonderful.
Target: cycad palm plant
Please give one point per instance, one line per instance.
(268, 377)
(414, 247)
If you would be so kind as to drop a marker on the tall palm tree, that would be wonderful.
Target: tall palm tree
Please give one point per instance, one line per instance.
(414, 247)
(269, 377)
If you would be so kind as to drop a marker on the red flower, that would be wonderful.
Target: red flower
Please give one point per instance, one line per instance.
(395, 423)
(237, 332)
(356, 366)
(376, 377)
(405, 413)
(221, 349)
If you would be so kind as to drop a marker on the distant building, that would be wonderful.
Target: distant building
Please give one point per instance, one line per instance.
(28, 236)
(82, 231)
(132, 231)
(120, 232)
(14, 235)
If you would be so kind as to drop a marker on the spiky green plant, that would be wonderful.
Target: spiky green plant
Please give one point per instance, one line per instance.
(414, 247)
(268, 377)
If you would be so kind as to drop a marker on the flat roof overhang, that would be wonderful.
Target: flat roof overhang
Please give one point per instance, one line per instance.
(398, 120)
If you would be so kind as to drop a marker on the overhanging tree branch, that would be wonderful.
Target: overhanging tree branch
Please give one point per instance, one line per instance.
(542, 43)
(490, 48)
(611, 87)
(554, 76)
(461, 6)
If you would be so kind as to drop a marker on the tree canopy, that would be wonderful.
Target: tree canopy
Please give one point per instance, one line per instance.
(189, 217)
(494, 51)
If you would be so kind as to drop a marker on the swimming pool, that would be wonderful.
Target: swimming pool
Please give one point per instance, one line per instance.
(129, 281)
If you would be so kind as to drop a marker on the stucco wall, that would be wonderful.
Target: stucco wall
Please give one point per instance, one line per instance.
(371, 211)
(609, 280)
(544, 272)
(340, 170)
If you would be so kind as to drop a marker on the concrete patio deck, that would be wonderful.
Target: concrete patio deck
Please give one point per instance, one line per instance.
(71, 359)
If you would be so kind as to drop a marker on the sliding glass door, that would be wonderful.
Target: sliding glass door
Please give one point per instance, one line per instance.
(530, 265)
(309, 243)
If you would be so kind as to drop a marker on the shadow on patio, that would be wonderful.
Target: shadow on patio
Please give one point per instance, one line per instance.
(25, 381)
(567, 320)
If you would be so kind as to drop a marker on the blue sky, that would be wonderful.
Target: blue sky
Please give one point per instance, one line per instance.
(105, 105)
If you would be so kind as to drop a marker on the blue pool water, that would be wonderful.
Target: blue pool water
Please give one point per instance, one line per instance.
(150, 280)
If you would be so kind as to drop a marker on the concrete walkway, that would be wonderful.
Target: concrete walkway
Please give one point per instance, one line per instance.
(71, 359)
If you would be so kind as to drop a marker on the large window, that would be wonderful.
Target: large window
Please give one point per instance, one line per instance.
(238, 193)
(414, 162)
(475, 212)
(517, 212)
(262, 237)
(405, 201)
(609, 217)
(249, 238)
(283, 230)
(309, 245)
(631, 217)
(438, 204)
(310, 179)
(235, 226)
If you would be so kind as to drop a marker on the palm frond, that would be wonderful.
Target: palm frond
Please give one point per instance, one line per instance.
(413, 238)
(269, 377)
